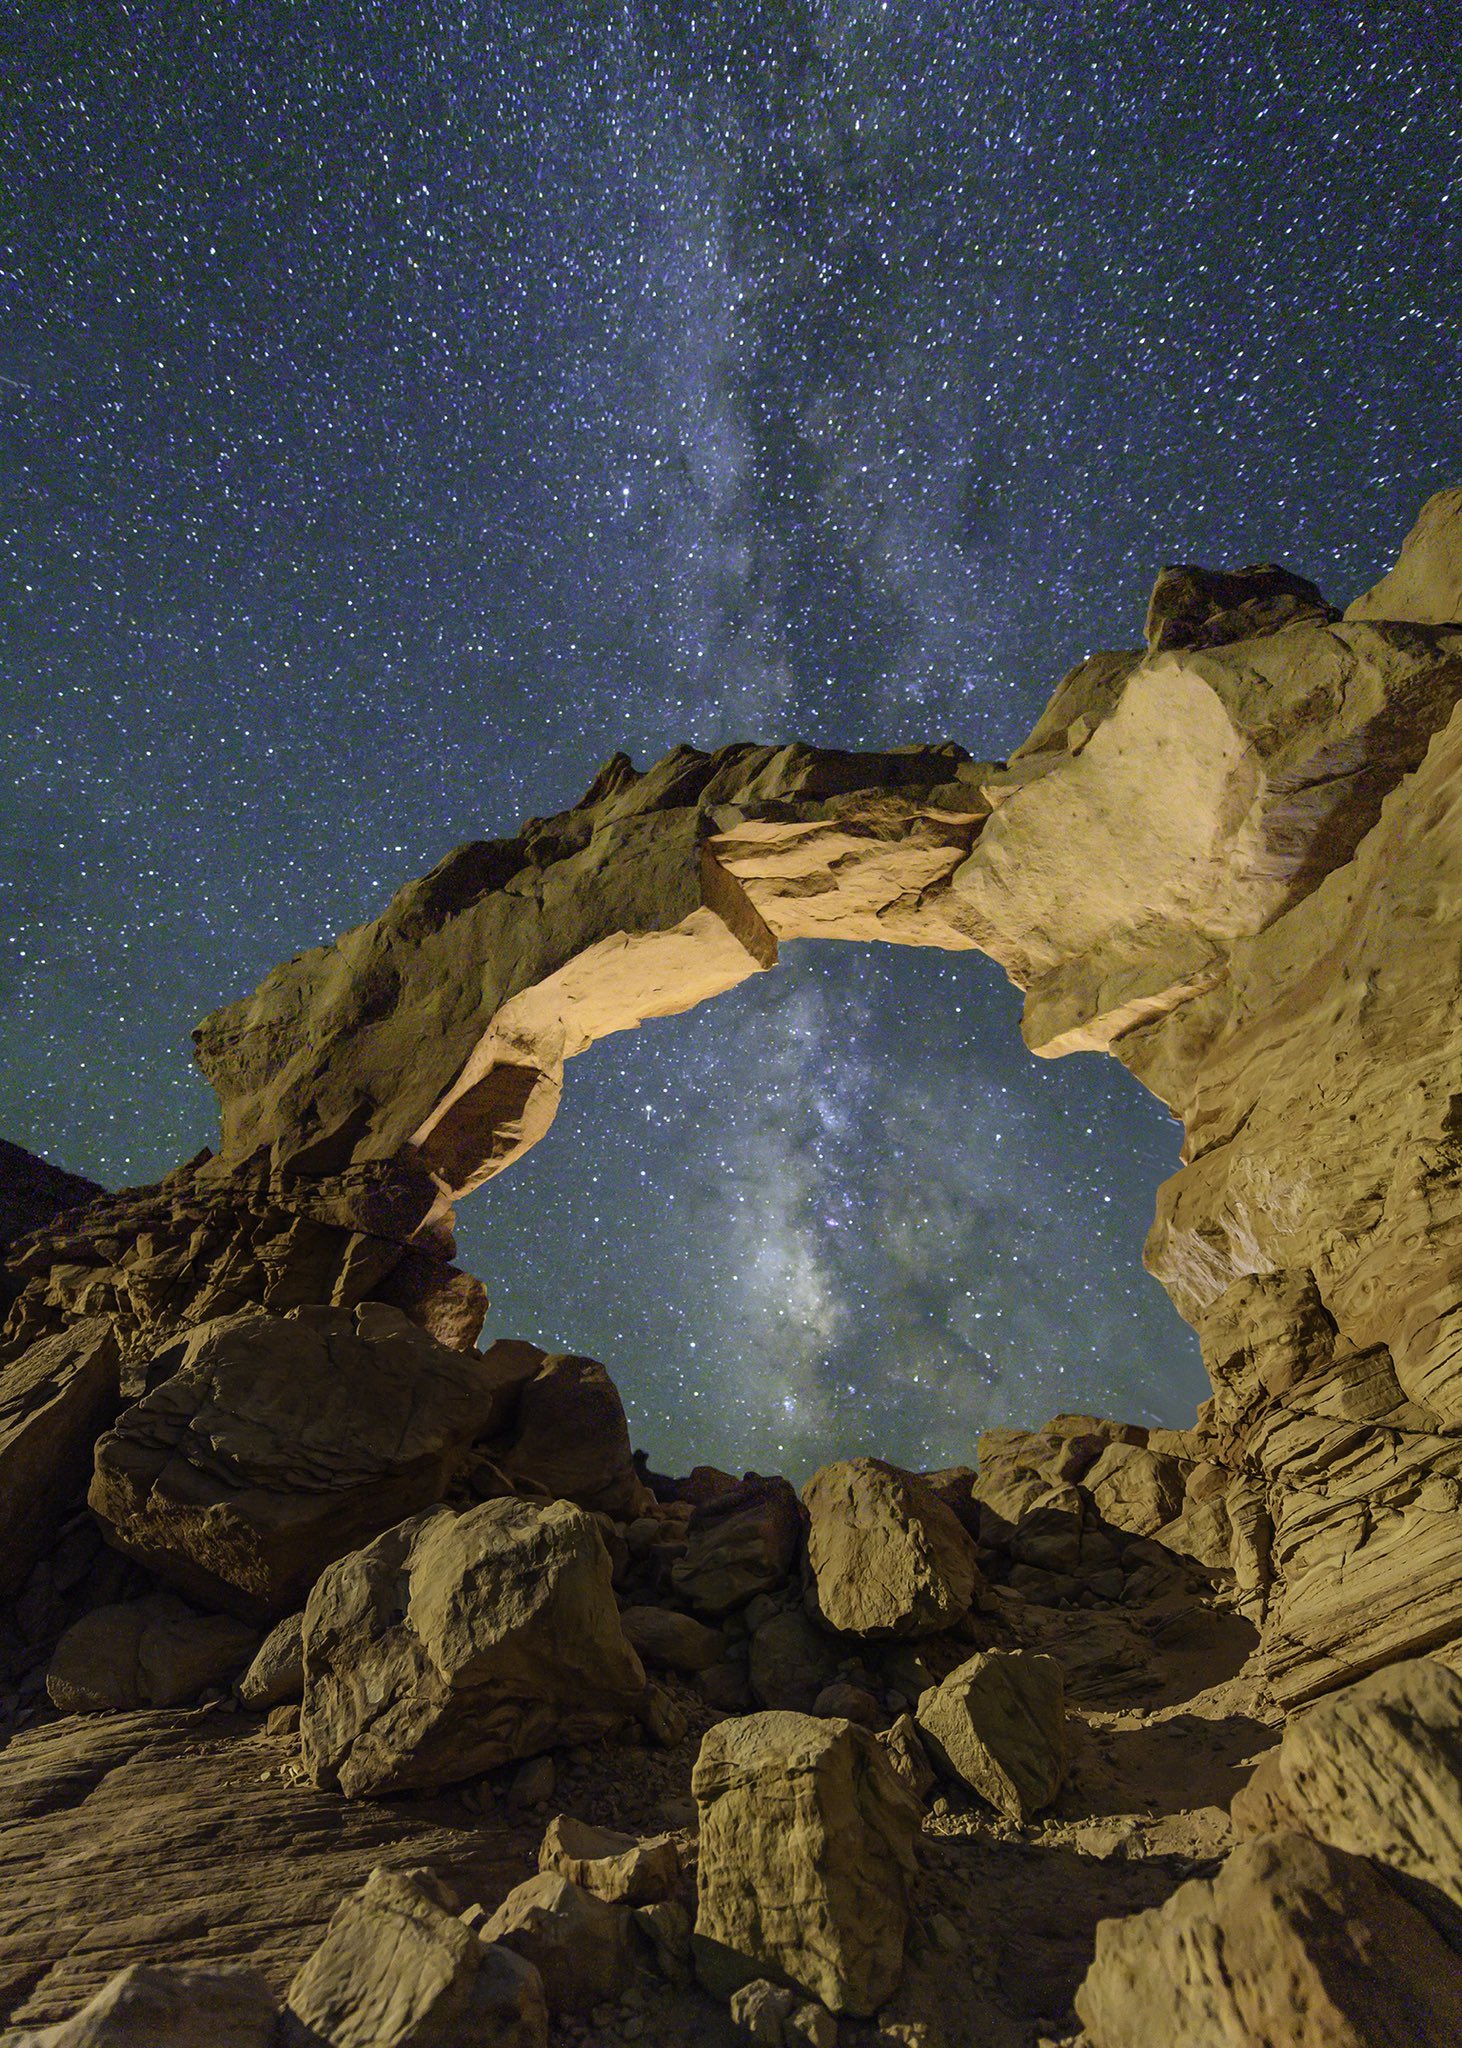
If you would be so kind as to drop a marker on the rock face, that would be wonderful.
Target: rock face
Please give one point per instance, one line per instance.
(570, 1440)
(998, 1725)
(1376, 1770)
(806, 1850)
(739, 1544)
(55, 1400)
(277, 1445)
(1426, 583)
(454, 1643)
(888, 1557)
(161, 2005)
(33, 1193)
(1293, 1945)
(145, 1653)
(579, 1944)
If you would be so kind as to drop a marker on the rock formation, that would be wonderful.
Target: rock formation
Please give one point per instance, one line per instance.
(998, 1703)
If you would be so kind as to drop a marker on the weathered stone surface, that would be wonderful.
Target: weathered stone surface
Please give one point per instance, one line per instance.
(278, 1444)
(444, 1025)
(661, 1635)
(739, 1544)
(998, 1725)
(1134, 1489)
(1293, 1945)
(1376, 1770)
(1193, 607)
(34, 1193)
(624, 1869)
(806, 1849)
(56, 1398)
(396, 1969)
(168, 2005)
(888, 1557)
(276, 1677)
(570, 1440)
(791, 1662)
(906, 1752)
(579, 1945)
(760, 2010)
(155, 1652)
(125, 1837)
(454, 1643)
(1426, 583)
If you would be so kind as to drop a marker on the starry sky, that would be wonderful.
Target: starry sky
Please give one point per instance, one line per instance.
(405, 406)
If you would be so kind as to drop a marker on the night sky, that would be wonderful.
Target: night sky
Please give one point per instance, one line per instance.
(403, 408)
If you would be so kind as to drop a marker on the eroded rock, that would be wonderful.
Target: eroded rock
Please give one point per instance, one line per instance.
(806, 1851)
(888, 1557)
(277, 1444)
(154, 1652)
(56, 1398)
(998, 1725)
(580, 1945)
(624, 1869)
(455, 1643)
(739, 1544)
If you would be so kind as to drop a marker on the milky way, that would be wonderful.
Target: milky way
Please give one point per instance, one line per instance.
(406, 407)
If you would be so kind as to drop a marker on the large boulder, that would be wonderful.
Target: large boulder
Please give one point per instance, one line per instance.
(662, 1635)
(790, 1661)
(276, 1677)
(455, 1643)
(154, 1652)
(168, 2005)
(806, 1850)
(570, 1440)
(1293, 1944)
(998, 1725)
(1376, 1770)
(55, 1401)
(278, 1444)
(1136, 1489)
(1194, 607)
(888, 1557)
(739, 1544)
(398, 1969)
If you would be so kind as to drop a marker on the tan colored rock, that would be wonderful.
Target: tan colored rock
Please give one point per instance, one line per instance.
(455, 1643)
(56, 1398)
(570, 1440)
(579, 1945)
(661, 1635)
(168, 2005)
(277, 1445)
(1135, 1489)
(1193, 607)
(888, 1557)
(806, 1850)
(1293, 1945)
(907, 1754)
(276, 1677)
(398, 1969)
(998, 1725)
(739, 1544)
(1375, 1770)
(760, 2010)
(624, 1869)
(1426, 583)
(154, 1652)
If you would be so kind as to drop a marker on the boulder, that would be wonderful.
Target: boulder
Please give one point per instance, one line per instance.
(1293, 1944)
(760, 2010)
(739, 1544)
(455, 1643)
(154, 1652)
(1193, 607)
(888, 1557)
(580, 1946)
(55, 1401)
(624, 1869)
(278, 1444)
(806, 1851)
(841, 1701)
(790, 1662)
(398, 1969)
(168, 2005)
(276, 1678)
(1375, 1770)
(1135, 1489)
(906, 1752)
(570, 1440)
(998, 1725)
(661, 1635)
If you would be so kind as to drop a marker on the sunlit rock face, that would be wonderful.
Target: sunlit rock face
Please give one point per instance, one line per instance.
(1233, 859)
